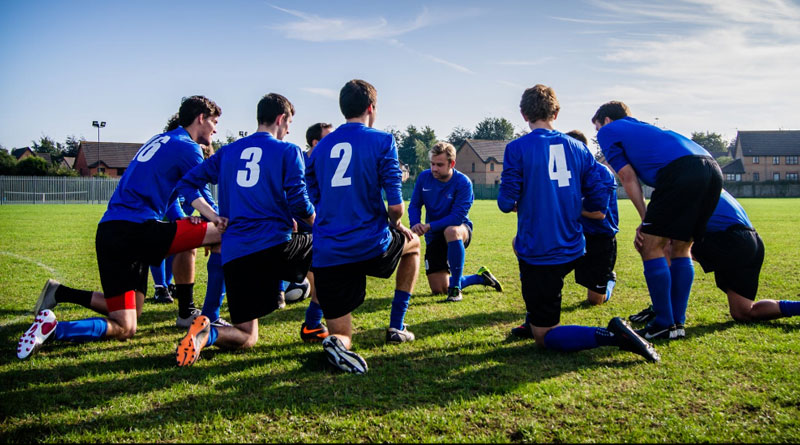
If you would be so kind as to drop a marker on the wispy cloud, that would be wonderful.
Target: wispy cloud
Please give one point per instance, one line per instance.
(534, 62)
(516, 86)
(324, 92)
(396, 43)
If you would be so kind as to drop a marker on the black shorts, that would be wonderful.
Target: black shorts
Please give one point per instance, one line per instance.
(596, 268)
(686, 194)
(735, 256)
(541, 290)
(436, 252)
(125, 249)
(252, 281)
(342, 288)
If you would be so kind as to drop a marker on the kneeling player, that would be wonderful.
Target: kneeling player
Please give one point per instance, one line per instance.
(447, 196)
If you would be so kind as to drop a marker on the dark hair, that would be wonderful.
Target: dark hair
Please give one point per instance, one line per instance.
(314, 132)
(539, 103)
(355, 97)
(577, 134)
(172, 123)
(271, 106)
(194, 106)
(613, 110)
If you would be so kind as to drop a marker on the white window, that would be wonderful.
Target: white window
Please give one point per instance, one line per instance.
(756, 160)
(791, 176)
(776, 176)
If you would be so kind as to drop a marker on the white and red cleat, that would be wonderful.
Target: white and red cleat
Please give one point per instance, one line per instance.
(43, 327)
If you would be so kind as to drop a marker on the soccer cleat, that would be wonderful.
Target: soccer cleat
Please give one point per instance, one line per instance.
(680, 331)
(397, 336)
(47, 299)
(453, 295)
(489, 279)
(644, 316)
(315, 335)
(42, 328)
(653, 332)
(628, 340)
(523, 331)
(340, 357)
(186, 322)
(221, 322)
(609, 290)
(190, 346)
(162, 295)
(297, 291)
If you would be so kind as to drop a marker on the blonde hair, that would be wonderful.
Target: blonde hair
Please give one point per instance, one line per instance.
(444, 148)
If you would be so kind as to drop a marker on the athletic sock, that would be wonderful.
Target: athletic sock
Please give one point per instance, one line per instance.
(184, 293)
(657, 276)
(283, 285)
(455, 259)
(314, 315)
(212, 336)
(158, 273)
(471, 280)
(90, 329)
(789, 308)
(168, 269)
(66, 294)
(399, 308)
(215, 288)
(604, 337)
(609, 289)
(681, 273)
(569, 338)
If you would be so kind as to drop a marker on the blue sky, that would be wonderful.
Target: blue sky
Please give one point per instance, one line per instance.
(688, 65)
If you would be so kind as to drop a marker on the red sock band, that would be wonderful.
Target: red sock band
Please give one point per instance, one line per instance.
(122, 302)
(187, 236)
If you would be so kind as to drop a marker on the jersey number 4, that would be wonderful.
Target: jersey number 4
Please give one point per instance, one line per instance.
(248, 176)
(558, 166)
(344, 151)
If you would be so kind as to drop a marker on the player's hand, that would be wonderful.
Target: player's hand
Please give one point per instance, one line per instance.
(221, 222)
(420, 228)
(514, 209)
(294, 225)
(405, 231)
(207, 250)
(638, 240)
(194, 219)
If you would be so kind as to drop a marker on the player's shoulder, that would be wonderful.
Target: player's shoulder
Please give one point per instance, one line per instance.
(461, 177)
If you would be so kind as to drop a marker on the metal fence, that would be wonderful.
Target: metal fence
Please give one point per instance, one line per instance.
(55, 190)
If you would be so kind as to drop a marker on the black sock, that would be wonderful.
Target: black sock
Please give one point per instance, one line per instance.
(66, 294)
(184, 293)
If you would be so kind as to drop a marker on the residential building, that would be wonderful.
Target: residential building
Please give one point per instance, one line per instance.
(481, 160)
(770, 155)
(109, 158)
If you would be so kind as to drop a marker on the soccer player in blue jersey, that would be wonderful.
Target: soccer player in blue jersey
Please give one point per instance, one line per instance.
(261, 189)
(446, 194)
(131, 235)
(687, 182)
(733, 250)
(549, 179)
(354, 234)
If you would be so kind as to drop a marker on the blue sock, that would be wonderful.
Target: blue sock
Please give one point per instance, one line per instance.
(659, 283)
(158, 273)
(569, 338)
(212, 336)
(455, 258)
(283, 285)
(682, 276)
(168, 269)
(215, 290)
(313, 315)
(471, 280)
(90, 329)
(399, 308)
(789, 308)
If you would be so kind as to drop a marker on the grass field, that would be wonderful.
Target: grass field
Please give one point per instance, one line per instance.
(462, 380)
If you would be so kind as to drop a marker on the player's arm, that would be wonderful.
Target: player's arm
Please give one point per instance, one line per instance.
(312, 186)
(390, 178)
(630, 182)
(415, 209)
(193, 182)
(510, 179)
(294, 185)
(597, 187)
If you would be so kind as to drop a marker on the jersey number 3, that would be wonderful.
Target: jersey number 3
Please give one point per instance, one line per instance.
(248, 176)
(344, 151)
(558, 166)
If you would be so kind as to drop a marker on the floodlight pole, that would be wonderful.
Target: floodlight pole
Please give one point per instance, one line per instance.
(98, 125)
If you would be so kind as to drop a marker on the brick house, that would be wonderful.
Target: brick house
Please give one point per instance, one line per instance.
(481, 160)
(109, 158)
(770, 155)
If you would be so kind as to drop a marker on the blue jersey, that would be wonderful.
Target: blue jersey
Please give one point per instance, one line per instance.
(346, 173)
(608, 225)
(727, 213)
(549, 177)
(645, 147)
(146, 189)
(261, 187)
(446, 203)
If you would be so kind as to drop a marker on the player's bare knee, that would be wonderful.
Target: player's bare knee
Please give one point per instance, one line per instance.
(595, 298)
(438, 290)
(250, 341)
(741, 315)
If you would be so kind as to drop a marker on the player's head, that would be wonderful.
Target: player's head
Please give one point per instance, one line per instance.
(609, 112)
(443, 160)
(539, 103)
(316, 132)
(199, 116)
(274, 109)
(358, 97)
(577, 134)
(172, 123)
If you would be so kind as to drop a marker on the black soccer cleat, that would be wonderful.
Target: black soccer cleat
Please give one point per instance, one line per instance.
(453, 295)
(643, 316)
(653, 332)
(162, 295)
(489, 279)
(628, 340)
(522, 331)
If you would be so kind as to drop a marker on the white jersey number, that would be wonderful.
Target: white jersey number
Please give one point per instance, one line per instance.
(149, 150)
(344, 151)
(248, 177)
(558, 166)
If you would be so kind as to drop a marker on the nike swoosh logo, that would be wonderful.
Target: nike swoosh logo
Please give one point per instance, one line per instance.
(654, 334)
(647, 224)
(310, 331)
(425, 190)
(599, 286)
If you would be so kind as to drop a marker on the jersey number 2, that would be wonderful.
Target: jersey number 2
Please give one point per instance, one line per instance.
(248, 176)
(558, 166)
(344, 151)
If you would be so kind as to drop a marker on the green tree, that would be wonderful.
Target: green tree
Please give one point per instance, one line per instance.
(7, 163)
(494, 128)
(71, 146)
(33, 166)
(413, 146)
(712, 142)
(458, 136)
(45, 144)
